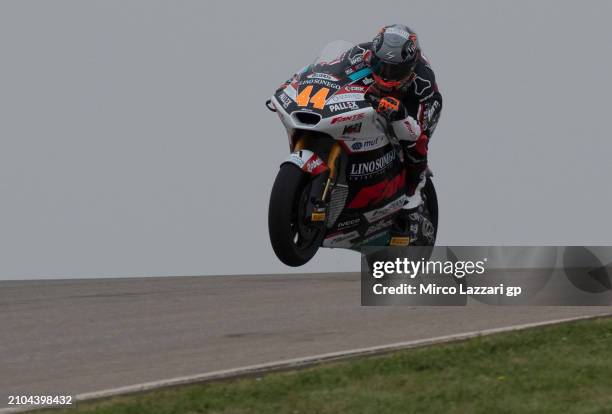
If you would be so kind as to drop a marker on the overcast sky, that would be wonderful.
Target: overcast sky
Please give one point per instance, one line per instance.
(135, 141)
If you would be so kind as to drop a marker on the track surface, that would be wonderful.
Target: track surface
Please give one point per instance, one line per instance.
(78, 336)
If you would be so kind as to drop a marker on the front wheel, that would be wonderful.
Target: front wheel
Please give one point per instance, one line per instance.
(294, 238)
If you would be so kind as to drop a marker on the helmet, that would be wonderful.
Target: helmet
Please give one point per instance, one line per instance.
(394, 55)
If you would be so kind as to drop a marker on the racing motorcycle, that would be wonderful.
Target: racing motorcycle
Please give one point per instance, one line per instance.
(343, 182)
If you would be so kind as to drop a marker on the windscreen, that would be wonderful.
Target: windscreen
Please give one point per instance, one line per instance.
(332, 52)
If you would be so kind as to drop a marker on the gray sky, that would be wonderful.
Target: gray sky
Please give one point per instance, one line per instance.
(135, 141)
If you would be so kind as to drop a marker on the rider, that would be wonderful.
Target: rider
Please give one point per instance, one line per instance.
(405, 93)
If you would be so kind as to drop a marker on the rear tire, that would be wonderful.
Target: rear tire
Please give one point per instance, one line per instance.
(294, 238)
(432, 204)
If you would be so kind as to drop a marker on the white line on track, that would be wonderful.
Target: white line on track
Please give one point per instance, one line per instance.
(302, 362)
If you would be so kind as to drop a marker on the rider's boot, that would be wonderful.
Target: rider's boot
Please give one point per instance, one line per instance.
(413, 224)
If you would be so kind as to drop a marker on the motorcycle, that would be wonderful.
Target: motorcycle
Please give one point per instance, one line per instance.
(343, 182)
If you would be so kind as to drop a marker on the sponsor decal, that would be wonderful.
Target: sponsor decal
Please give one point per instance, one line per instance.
(377, 193)
(368, 144)
(291, 90)
(360, 74)
(323, 82)
(428, 230)
(352, 129)
(388, 103)
(340, 240)
(412, 43)
(412, 126)
(325, 76)
(369, 168)
(314, 165)
(383, 224)
(307, 161)
(296, 158)
(345, 97)
(397, 31)
(285, 100)
(349, 223)
(356, 55)
(390, 208)
(343, 106)
(376, 240)
(317, 216)
(399, 241)
(368, 80)
(353, 88)
(431, 113)
(352, 69)
(347, 118)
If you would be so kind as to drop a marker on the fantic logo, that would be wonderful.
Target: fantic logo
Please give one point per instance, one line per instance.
(372, 167)
(348, 118)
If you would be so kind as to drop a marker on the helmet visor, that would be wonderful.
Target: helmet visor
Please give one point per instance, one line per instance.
(391, 72)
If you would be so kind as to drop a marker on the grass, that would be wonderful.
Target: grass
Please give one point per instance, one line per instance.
(563, 368)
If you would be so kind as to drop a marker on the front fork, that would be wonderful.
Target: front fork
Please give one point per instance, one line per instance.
(320, 192)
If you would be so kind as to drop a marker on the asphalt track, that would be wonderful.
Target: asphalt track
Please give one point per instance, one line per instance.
(72, 337)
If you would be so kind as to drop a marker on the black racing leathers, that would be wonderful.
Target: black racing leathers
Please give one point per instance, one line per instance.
(422, 104)
(413, 125)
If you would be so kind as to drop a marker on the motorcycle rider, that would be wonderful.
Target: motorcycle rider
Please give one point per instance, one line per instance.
(405, 93)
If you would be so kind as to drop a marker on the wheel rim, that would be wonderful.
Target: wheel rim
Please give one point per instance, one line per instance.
(303, 233)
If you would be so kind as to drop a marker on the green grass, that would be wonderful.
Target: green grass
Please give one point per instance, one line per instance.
(564, 368)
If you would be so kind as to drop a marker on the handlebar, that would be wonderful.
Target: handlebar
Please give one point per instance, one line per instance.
(270, 105)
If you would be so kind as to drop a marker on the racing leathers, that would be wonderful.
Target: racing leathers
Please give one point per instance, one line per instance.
(412, 112)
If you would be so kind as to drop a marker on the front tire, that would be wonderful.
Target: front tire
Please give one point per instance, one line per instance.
(294, 238)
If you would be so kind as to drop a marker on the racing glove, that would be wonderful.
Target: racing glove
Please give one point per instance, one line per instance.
(390, 108)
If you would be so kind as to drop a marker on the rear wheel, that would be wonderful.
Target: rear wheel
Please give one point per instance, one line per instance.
(417, 252)
(432, 204)
(294, 238)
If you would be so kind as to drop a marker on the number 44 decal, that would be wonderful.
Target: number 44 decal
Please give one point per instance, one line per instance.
(317, 100)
